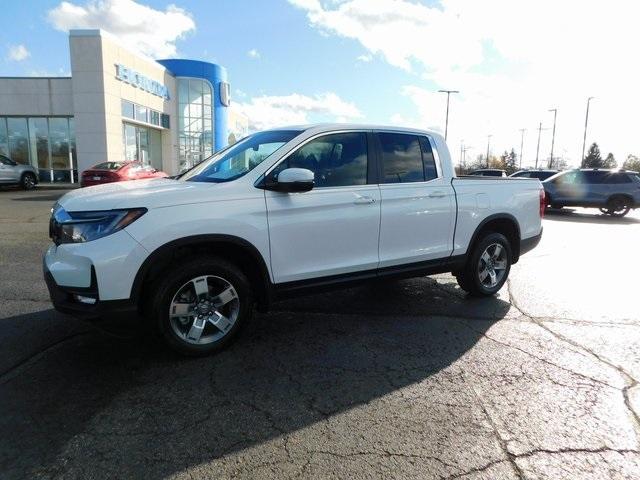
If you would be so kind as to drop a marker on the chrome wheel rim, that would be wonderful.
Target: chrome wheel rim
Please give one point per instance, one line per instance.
(204, 310)
(492, 265)
(29, 182)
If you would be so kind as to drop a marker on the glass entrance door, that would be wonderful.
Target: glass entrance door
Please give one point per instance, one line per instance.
(142, 144)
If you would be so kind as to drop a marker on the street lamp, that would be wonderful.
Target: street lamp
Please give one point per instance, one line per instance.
(446, 125)
(488, 142)
(586, 121)
(538, 147)
(553, 138)
(522, 130)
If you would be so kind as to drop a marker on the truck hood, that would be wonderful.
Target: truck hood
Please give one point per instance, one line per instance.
(151, 193)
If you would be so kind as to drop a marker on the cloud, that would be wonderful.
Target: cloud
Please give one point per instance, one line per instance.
(17, 53)
(365, 58)
(512, 61)
(253, 53)
(273, 111)
(140, 27)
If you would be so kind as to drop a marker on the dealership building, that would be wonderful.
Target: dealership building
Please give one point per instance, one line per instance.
(117, 105)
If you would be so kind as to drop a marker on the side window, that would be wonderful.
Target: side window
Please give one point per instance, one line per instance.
(617, 178)
(594, 177)
(428, 160)
(401, 158)
(337, 160)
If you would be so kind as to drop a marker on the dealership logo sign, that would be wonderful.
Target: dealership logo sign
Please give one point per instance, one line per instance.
(130, 76)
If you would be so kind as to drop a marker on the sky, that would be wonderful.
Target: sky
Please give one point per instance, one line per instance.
(383, 62)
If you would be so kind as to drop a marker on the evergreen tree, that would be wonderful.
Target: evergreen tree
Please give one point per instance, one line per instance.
(632, 163)
(610, 161)
(593, 158)
(511, 162)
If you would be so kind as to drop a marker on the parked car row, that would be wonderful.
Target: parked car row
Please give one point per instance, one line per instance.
(614, 192)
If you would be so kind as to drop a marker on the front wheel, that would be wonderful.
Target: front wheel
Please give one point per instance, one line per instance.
(200, 306)
(487, 266)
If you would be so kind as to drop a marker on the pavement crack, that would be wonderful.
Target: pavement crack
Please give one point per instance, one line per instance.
(501, 441)
(541, 359)
(474, 470)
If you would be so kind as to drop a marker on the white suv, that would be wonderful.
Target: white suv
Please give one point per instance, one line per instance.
(281, 212)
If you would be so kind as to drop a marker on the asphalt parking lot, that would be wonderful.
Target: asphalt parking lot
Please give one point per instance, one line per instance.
(409, 379)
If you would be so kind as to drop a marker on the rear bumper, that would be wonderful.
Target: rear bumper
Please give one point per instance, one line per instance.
(528, 244)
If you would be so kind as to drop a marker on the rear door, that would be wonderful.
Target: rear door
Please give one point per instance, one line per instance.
(418, 205)
(332, 229)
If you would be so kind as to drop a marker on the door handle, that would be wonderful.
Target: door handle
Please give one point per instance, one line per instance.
(363, 200)
(437, 194)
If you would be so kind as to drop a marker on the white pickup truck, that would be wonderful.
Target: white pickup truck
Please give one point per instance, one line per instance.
(283, 212)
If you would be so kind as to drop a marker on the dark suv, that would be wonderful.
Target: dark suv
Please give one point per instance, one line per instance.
(614, 192)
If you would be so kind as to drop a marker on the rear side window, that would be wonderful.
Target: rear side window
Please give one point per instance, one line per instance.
(618, 178)
(428, 160)
(7, 161)
(401, 158)
(406, 158)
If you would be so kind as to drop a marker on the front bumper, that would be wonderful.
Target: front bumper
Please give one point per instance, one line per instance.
(67, 300)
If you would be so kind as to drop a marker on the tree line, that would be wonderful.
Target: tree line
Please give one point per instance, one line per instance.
(594, 160)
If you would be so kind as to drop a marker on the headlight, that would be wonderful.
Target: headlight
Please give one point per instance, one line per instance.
(78, 227)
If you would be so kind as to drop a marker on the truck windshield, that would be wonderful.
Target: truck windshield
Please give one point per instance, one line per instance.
(239, 159)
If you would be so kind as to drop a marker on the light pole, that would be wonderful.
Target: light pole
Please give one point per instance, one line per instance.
(553, 138)
(538, 147)
(488, 142)
(522, 130)
(586, 121)
(446, 125)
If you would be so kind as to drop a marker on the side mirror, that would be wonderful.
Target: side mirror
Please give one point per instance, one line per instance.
(291, 180)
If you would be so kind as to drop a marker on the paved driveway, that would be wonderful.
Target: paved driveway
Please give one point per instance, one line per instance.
(409, 379)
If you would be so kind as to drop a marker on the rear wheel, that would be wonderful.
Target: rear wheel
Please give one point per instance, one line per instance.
(200, 306)
(28, 181)
(487, 267)
(617, 206)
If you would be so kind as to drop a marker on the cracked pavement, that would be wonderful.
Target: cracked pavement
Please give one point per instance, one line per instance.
(406, 379)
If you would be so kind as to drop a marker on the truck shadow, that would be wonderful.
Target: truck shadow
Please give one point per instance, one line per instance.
(129, 408)
(580, 216)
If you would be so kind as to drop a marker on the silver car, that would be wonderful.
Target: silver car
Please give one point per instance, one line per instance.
(12, 173)
(614, 192)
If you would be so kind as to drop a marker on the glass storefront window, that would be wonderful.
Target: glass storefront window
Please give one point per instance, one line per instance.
(44, 142)
(195, 118)
(142, 145)
(127, 109)
(141, 114)
(39, 142)
(18, 140)
(59, 141)
(4, 139)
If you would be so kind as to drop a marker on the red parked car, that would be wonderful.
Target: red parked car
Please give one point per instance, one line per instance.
(108, 172)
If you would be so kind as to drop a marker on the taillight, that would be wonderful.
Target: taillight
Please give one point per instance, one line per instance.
(543, 202)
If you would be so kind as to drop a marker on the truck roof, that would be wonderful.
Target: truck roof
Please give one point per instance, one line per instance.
(330, 127)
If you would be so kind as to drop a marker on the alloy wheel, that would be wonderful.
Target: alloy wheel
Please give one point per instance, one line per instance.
(204, 309)
(492, 265)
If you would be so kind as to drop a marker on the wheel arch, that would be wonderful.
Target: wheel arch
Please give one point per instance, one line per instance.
(503, 223)
(235, 249)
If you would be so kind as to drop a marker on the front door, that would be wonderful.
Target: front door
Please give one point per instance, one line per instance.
(418, 204)
(332, 229)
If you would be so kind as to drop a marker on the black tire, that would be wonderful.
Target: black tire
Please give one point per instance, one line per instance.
(469, 278)
(618, 206)
(28, 181)
(175, 280)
